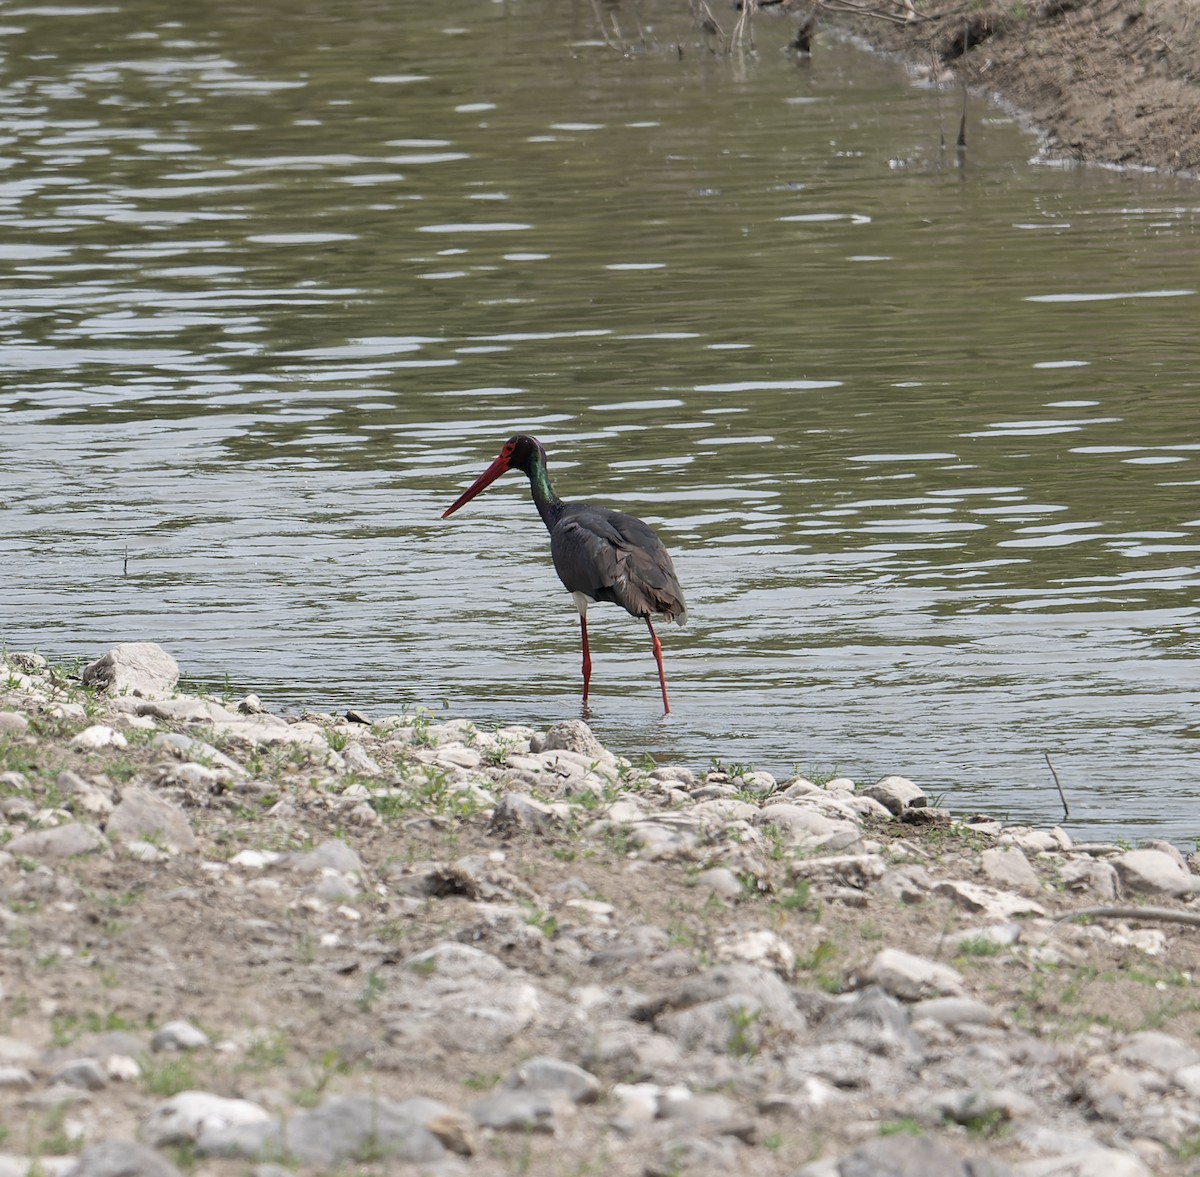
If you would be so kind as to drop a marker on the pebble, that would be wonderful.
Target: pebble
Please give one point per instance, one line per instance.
(911, 977)
(183, 1118)
(141, 815)
(179, 1035)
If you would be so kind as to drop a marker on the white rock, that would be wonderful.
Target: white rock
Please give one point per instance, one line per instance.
(897, 794)
(12, 721)
(1163, 1052)
(1001, 935)
(956, 1011)
(1151, 872)
(122, 1068)
(638, 1103)
(986, 901)
(134, 668)
(911, 977)
(179, 1035)
(1095, 1162)
(1008, 866)
(1086, 874)
(98, 736)
(184, 1116)
(847, 870)
(254, 859)
(803, 826)
(763, 948)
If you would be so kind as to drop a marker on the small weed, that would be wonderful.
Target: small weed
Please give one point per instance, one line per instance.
(979, 946)
(337, 741)
(372, 989)
(901, 1127)
(543, 921)
(480, 1082)
(167, 1076)
(741, 1043)
(269, 1051)
(797, 898)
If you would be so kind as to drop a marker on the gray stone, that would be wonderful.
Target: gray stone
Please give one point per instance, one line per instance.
(1093, 1162)
(709, 1114)
(1086, 874)
(59, 843)
(184, 1117)
(956, 1011)
(844, 870)
(143, 816)
(573, 735)
(631, 1052)
(803, 827)
(1000, 935)
(333, 855)
(339, 1130)
(762, 948)
(986, 901)
(12, 722)
(1163, 1052)
(911, 977)
(516, 1111)
(134, 668)
(1008, 867)
(721, 881)
(121, 1158)
(1151, 872)
(872, 1018)
(179, 1035)
(15, 1078)
(553, 1075)
(458, 961)
(981, 1105)
(517, 811)
(81, 1072)
(359, 761)
(909, 1156)
(896, 794)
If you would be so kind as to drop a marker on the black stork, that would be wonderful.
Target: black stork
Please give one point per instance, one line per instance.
(599, 554)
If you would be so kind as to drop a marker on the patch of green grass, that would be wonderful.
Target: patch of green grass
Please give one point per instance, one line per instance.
(741, 1042)
(372, 989)
(906, 1126)
(481, 1082)
(168, 1075)
(331, 1064)
(796, 899)
(978, 946)
(819, 962)
(266, 1052)
(544, 921)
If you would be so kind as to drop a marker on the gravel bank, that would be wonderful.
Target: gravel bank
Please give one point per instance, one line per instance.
(235, 943)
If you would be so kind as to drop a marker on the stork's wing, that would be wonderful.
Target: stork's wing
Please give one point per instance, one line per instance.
(609, 556)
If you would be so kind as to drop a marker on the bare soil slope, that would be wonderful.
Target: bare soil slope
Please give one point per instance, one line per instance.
(1109, 81)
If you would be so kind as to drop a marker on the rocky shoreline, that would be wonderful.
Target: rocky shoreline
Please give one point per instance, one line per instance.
(235, 943)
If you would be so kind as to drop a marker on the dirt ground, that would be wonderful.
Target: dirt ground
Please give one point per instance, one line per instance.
(1108, 81)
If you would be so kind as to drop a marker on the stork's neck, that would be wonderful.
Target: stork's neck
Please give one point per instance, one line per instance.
(549, 505)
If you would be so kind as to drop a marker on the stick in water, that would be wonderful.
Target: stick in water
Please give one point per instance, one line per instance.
(1058, 783)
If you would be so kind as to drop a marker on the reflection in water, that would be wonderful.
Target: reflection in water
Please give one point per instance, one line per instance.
(920, 435)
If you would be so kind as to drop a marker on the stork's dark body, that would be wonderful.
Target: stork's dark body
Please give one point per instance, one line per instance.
(610, 556)
(599, 554)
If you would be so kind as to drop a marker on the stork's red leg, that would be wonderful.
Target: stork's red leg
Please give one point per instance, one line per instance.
(662, 678)
(587, 656)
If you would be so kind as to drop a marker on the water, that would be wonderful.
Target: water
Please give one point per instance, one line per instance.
(921, 432)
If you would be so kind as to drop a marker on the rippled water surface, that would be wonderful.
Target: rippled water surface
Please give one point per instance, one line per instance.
(921, 431)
